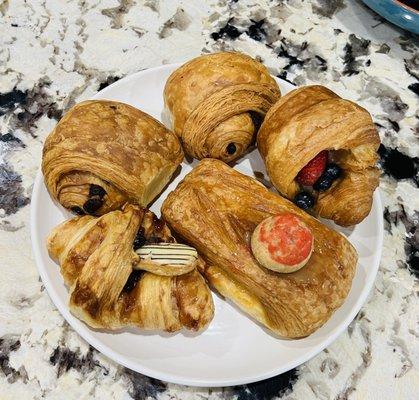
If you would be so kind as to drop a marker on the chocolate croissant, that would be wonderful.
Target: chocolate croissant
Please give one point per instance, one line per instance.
(216, 209)
(313, 119)
(114, 284)
(216, 102)
(103, 154)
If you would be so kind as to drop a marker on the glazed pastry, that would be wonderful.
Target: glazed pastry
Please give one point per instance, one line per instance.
(102, 262)
(216, 102)
(312, 137)
(103, 154)
(216, 210)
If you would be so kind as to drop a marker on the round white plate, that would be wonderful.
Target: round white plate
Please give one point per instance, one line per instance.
(234, 349)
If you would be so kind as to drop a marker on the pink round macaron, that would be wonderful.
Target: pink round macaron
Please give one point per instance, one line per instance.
(282, 243)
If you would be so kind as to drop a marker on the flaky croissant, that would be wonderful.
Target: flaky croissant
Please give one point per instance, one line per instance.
(104, 153)
(216, 209)
(216, 102)
(309, 120)
(108, 285)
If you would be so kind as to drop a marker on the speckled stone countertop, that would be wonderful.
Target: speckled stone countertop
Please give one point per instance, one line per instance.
(56, 53)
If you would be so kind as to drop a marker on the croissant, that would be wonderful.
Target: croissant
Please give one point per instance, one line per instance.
(103, 154)
(307, 121)
(109, 285)
(216, 209)
(216, 102)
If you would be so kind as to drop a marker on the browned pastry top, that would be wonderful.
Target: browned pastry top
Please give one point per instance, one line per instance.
(216, 209)
(308, 120)
(107, 290)
(214, 100)
(117, 147)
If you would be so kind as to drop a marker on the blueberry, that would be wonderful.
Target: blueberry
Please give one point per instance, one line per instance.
(333, 171)
(77, 210)
(92, 205)
(304, 200)
(96, 190)
(323, 183)
(139, 239)
(231, 148)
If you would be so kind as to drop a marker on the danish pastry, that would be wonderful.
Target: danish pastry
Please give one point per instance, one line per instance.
(312, 137)
(103, 154)
(216, 103)
(216, 209)
(115, 283)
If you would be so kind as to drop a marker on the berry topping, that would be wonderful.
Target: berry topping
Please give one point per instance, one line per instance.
(77, 210)
(92, 205)
(323, 183)
(333, 171)
(282, 243)
(231, 148)
(313, 170)
(96, 190)
(304, 200)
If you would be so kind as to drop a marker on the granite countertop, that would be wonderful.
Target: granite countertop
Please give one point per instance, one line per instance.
(56, 53)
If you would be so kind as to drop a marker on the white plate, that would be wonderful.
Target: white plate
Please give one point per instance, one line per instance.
(234, 349)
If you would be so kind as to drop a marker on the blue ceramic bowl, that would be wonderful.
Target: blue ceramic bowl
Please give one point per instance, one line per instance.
(398, 12)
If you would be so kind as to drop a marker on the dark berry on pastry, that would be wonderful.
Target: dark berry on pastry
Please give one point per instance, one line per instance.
(304, 200)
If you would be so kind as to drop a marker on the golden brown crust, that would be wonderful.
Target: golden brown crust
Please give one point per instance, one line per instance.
(311, 119)
(112, 145)
(216, 209)
(98, 261)
(211, 98)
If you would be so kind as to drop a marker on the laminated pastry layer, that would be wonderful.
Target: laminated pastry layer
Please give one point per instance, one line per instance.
(216, 209)
(103, 154)
(217, 102)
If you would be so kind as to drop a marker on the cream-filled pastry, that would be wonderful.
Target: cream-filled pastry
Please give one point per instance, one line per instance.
(216, 210)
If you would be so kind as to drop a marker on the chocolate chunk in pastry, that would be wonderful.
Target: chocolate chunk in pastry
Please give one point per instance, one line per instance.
(103, 154)
(112, 286)
(216, 103)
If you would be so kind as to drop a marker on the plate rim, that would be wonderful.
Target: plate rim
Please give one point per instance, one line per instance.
(125, 361)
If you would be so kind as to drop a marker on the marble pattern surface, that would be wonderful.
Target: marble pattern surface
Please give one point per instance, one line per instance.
(56, 53)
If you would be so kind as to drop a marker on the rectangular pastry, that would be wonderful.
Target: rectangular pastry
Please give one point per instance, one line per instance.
(216, 209)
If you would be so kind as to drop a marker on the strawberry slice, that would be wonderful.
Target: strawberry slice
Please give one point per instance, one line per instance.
(312, 171)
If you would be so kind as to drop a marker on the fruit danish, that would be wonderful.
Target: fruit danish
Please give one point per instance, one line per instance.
(321, 151)
(216, 209)
(125, 269)
(103, 154)
(216, 103)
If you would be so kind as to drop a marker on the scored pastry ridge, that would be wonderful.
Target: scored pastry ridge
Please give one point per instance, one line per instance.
(216, 209)
(99, 265)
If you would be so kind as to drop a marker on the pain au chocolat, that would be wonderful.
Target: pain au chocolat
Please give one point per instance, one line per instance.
(216, 209)
(103, 154)
(216, 102)
(125, 269)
